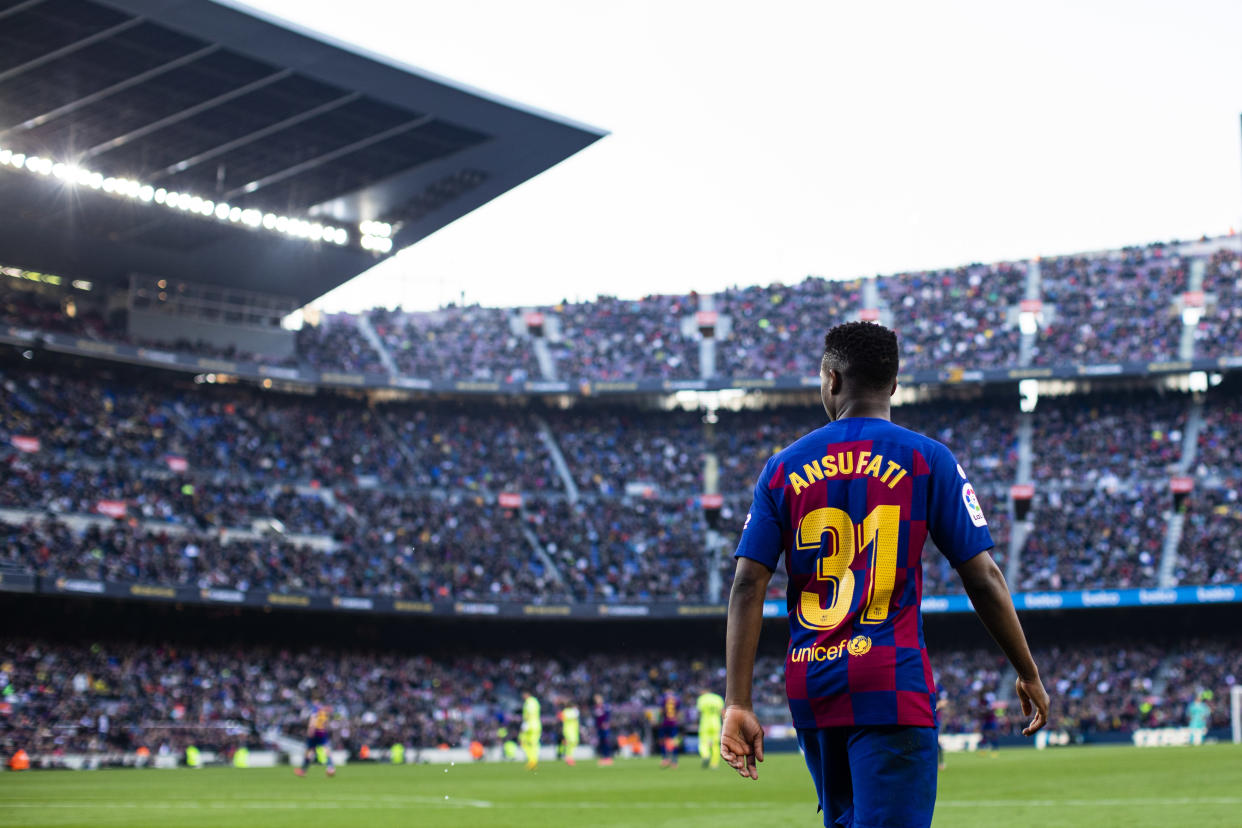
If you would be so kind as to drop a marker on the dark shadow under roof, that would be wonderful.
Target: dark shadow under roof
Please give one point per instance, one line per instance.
(202, 98)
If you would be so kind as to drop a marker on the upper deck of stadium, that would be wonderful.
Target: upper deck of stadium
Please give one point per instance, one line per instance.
(196, 139)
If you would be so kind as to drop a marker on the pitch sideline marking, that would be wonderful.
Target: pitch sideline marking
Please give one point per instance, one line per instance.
(397, 802)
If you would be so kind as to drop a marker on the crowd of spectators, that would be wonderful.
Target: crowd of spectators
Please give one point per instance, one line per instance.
(51, 487)
(336, 344)
(121, 696)
(611, 339)
(1121, 305)
(361, 475)
(955, 318)
(1220, 436)
(457, 343)
(1220, 328)
(1114, 307)
(1098, 689)
(608, 447)
(1104, 438)
(1095, 538)
(639, 550)
(778, 330)
(1210, 551)
(120, 420)
(422, 548)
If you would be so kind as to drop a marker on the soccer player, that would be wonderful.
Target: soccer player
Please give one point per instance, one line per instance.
(710, 705)
(989, 726)
(532, 729)
(570, 730)
(1198, 712)
(850, 505)
(602, 714)
(670, 720)
(317, 740)
(942, 703)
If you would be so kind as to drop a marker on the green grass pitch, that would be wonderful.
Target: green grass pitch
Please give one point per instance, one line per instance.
(1098, 787)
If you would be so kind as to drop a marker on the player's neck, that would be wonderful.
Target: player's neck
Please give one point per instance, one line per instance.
(863, 407)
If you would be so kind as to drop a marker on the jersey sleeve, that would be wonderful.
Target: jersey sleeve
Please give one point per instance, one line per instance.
(954, 517)
(761, 534)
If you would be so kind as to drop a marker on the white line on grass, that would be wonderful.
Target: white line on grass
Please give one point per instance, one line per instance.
(390, 802)
(257, 804)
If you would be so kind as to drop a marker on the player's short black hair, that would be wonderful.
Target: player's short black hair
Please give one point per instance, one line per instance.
(864, 353)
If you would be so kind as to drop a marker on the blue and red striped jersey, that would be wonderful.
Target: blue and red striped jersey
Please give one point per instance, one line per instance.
(670, 710)
(850, 506)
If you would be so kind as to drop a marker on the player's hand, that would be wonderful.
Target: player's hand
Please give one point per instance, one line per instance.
(1034, 697)
(741, 741)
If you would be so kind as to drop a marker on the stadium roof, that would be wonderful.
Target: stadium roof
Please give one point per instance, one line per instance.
(204, 126)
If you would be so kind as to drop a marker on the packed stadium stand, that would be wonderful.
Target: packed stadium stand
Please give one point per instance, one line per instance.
(116, 697)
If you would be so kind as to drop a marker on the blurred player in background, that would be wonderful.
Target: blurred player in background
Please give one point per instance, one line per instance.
(1198, 712)
(570, 731)
(710, 706)
(601, 713)
(670, 722)
(532, 729)
(850, 505)
(317, 743)
(989, 727)
(942, 704)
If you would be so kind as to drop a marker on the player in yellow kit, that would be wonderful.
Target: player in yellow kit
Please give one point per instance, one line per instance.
(570, 731)
(710, 707)
(532, 729)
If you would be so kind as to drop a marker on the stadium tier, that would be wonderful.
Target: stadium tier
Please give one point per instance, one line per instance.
(1132, 311)
(119, 475)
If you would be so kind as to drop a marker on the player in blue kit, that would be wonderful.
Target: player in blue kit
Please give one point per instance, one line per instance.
(601, 713)
(670, 723)
(849, 506)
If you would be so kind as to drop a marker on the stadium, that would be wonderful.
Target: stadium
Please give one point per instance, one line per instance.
(214, 523)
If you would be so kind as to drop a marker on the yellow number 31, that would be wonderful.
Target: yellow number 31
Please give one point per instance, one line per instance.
(832, 531)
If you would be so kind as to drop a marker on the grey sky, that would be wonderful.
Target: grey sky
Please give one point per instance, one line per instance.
(757, 143)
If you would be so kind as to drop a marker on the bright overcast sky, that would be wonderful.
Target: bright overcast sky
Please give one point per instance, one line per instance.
(754, 143)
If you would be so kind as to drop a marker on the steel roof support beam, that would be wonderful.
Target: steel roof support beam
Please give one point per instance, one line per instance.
(228, 146)
(19, 8)
(77, 45)
(128, 83)
(189, 112)
(311, 163)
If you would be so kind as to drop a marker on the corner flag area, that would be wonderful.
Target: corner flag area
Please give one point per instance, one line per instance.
(1069, 787)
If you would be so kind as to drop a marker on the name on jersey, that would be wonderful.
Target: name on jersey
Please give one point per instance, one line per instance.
(848, 464)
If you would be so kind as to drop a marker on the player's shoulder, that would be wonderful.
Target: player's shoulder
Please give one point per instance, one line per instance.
(851, 430)
(931, 448)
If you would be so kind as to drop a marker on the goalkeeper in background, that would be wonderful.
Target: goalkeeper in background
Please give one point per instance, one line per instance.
(710, 706)
(1198, 713)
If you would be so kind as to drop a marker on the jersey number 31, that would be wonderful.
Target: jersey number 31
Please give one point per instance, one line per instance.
(832, 531)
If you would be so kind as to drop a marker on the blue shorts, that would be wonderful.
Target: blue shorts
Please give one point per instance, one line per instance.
(668, 731)
(873, 777)
(317, 740)
(605, 744)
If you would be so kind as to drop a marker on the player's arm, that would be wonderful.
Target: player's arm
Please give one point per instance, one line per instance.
(741, 736)
(985, 584)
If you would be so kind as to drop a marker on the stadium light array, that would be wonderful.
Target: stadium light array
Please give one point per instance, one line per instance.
(376, 235)
(75, 176)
